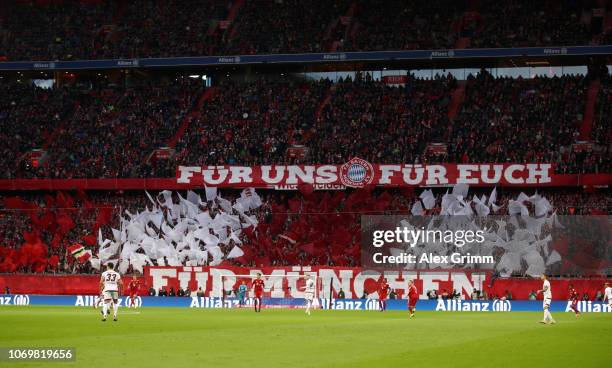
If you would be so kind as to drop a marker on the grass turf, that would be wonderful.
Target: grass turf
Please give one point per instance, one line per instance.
(171, 337)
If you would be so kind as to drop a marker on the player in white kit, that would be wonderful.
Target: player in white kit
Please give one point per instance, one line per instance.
(110, 287)
(547, 293)
(309, 293)
(608, 295)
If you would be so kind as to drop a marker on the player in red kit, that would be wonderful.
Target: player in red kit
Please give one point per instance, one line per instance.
(258, 287)
(383, 289)
(573, 297)
(133, 287)
(413, 297)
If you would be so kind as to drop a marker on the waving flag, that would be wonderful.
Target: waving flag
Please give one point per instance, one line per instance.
(79, 252)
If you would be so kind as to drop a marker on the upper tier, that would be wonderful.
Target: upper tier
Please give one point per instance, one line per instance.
(108, 131)
(95, 29)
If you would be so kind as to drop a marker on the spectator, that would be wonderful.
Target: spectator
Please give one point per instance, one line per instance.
(455, 295)
(475, 295)
(484, 295)
(151, 291)
(200, 293)
(444, 294)
(341, 294)
(172, 292)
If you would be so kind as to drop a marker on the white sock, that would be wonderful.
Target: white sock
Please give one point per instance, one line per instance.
(308, 307)
(105, 309)
(547, 315)
(115, 308)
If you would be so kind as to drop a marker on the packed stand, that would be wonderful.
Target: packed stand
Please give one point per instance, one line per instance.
(519, 120)
(59, 30)
(115, 134)
(28, 117)
(334, 121)
(37, 231)
(167, 28)
(380, 25)
(288, 26)
(381, 123)
(384, 124)
(531, 24)
(251, 123)
(71, 29)
(599, 159)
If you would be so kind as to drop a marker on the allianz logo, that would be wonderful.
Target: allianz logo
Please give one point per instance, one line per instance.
(474, 306)
(348, 304)
(17, 299)
(44, 65)
(229, 59)
(588, 306)
(443, 53)
(134, 62)
(91, 300)
(555, 51)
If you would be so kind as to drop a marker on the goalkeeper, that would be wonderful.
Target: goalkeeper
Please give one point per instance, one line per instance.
(242, 290)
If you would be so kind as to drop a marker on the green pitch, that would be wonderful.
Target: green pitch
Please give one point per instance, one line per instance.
(173, 337)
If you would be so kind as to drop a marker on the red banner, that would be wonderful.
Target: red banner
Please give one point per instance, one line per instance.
(437, 149)
(53, 284)
(354, 173)
(359, 173)
(582, 147)
(297, 152)
(353, 281)
(395, 79)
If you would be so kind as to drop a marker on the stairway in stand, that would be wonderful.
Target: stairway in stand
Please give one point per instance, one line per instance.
(189, 115)
(457, 97)
(589, 111)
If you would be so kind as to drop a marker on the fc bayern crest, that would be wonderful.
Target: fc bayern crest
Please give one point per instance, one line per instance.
(356, 173)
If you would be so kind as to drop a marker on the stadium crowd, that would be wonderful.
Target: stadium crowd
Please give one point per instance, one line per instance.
(251, 123)
(100, 132)
(542, 116)
(542, 23)
(95, 29)
(28, 117)
(294, 228)
(113, 131)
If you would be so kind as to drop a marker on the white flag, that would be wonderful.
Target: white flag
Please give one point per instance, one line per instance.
(429, 201)
(193, 197)
(235, 252)
(211, 193)
(417, 209)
